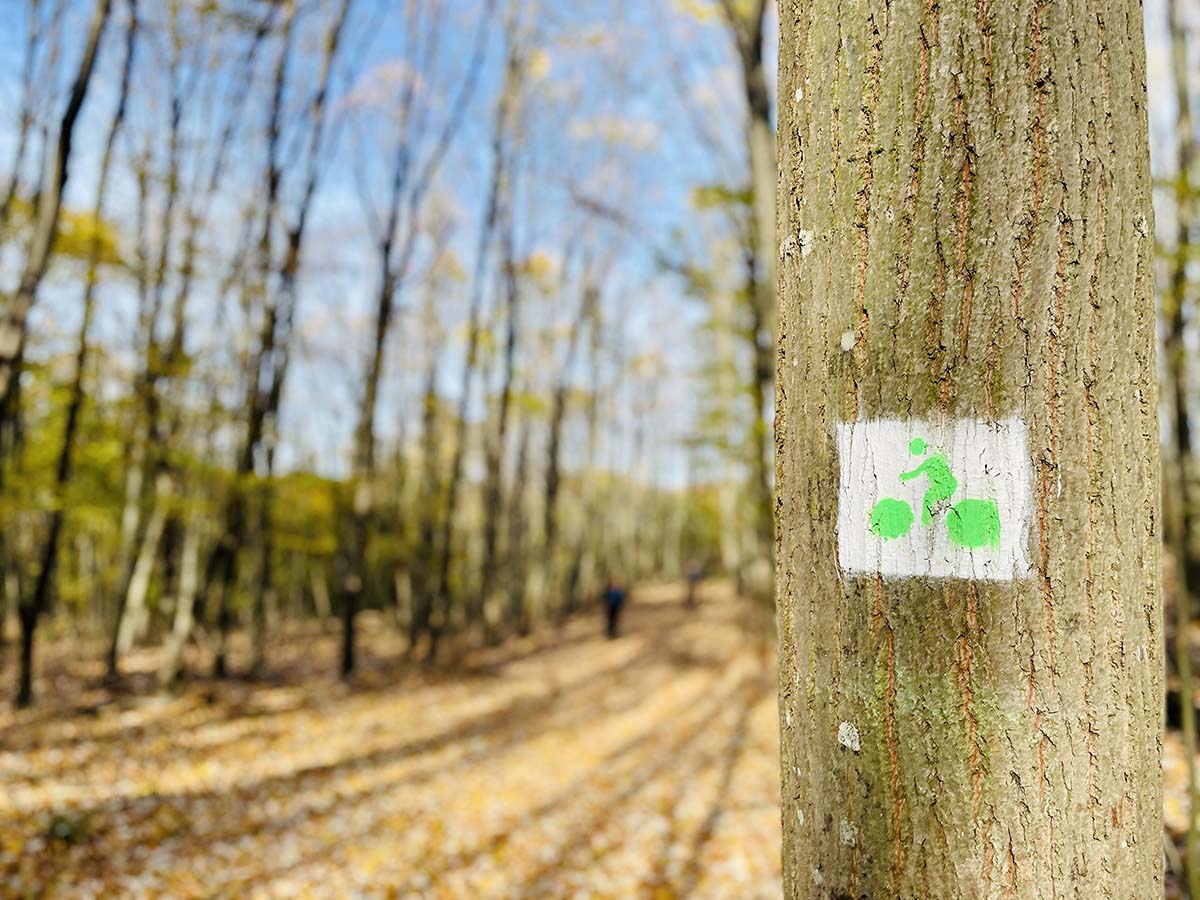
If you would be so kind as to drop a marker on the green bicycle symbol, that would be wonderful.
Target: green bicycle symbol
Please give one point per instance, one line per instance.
(970, 523)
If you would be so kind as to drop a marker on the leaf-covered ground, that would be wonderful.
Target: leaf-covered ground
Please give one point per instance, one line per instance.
(565, 765)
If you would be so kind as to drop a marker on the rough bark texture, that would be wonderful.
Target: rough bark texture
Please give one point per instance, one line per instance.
(966, 233)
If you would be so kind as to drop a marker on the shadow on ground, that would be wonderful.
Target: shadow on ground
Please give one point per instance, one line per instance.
(561, 765)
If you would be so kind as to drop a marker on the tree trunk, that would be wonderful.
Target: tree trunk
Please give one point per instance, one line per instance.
(1181, 515)
(727, 490)
(746, 21)
(264, 597)
(25, 118)
(49, 557)
(320, 591)
(589, 300)
(29, 617)
(971, 694)
(14, 311)
(185, 604)
(495, 443)
(132, 624)
(428, 505)
(518, 570)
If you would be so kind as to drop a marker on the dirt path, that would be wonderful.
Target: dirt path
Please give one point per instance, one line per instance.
(563, 766)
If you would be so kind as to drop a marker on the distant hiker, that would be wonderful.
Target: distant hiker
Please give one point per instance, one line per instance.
(695, 573)
(614, 599)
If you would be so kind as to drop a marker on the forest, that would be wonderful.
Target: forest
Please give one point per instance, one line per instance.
(324, 326)
(358, 357)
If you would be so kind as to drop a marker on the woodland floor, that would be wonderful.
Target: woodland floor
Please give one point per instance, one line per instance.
(559, 766)
(564, 765)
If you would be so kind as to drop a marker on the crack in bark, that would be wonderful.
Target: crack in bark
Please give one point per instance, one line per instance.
(864, 212)
(893, 754)
(918, 160)
(964, 675)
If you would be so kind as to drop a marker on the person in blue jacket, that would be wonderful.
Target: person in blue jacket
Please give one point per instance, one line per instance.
(614, 600)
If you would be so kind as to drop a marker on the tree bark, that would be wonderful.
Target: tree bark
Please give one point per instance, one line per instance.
(185, 604)
(966, 235)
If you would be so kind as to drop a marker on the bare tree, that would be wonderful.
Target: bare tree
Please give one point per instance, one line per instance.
(271, 354)
(746, 23)
(589, 300)
(157, 421)
(34, 606)
(500, 217)
(15, 311)
(419, 154)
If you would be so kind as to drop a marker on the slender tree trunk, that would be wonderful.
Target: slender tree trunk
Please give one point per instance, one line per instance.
(441, 592)
(728, 495)
(271, 357)
(428, 507)
(589, 300)
(136, 618)
(1182, 513)
(185, 605)
(5, 603)
(39, 599)
(410, 183)
(25, 117)
(502, 207)
(493, 492)
(131, 540)
(968, 259)
(14, 310)
(362, 501)
(320, 592)
(518, 569)
(145, 453)
(264, 597)
(28, 618)
(746, 21)
(10, 586)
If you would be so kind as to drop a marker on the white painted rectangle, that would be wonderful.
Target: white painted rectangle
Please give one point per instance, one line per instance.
(989, 462)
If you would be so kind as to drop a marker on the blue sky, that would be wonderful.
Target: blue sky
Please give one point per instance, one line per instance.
(605, 119)
(635, 104)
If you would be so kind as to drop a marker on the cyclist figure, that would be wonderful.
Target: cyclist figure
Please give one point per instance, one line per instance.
(942, 483)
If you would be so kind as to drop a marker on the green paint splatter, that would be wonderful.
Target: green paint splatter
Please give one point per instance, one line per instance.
(942, 484)
(974, 523)
(891, 518)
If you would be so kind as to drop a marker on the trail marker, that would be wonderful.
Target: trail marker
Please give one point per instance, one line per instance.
(935, 499)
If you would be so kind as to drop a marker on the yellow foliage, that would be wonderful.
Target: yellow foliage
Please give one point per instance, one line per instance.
(540, 265)
(700, 10)
(538, 65)
(81, 234)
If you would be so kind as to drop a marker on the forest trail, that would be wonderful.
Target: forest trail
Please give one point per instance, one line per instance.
(563, 765)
